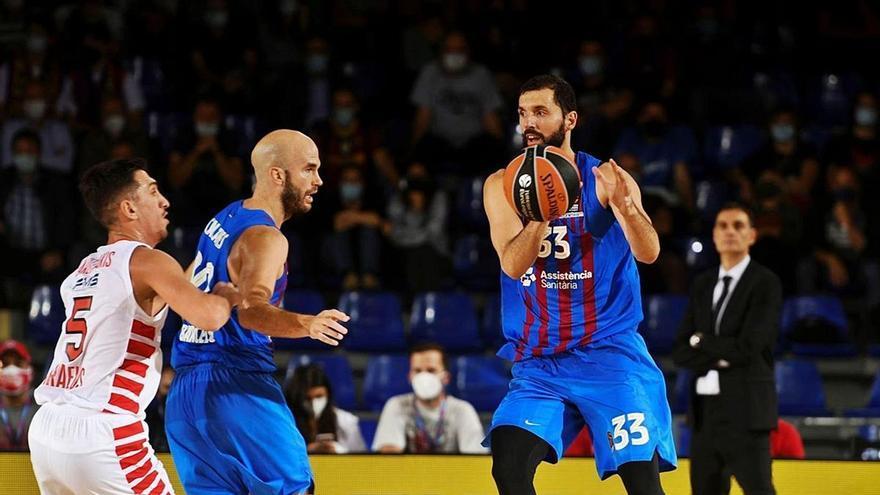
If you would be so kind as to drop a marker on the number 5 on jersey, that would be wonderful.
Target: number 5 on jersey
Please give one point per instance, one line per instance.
(76, 324)
(560, 247)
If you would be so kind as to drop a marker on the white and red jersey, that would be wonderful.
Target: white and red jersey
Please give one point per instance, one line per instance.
(108, 356)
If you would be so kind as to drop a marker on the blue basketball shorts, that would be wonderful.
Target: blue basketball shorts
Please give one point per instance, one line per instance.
(611, 385)
(231, 432)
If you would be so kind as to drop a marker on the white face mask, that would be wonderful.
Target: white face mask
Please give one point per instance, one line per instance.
(24, 163)
(318, 405)
(454, 62)
(427, 385)
(207, 129)
(34, 109)
(114, 124)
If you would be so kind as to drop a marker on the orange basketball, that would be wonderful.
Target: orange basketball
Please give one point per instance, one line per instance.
(542, 183)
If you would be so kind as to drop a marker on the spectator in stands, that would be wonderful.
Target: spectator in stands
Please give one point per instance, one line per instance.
(838, 238)
(668, 274)
(417, 228)
(786, 442)
(658, 155)
(117, 125)
(32, 63)
(316, 90)
(326, 428)
(357, 236)
(17, 405)
(57, 143)
(456, 123)
(203, 171)
(37, 220)
(779, 225)
(156, 410)
(428, 421)
(787, 155)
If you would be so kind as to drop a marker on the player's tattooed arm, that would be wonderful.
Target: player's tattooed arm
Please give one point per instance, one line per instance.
(615, 187)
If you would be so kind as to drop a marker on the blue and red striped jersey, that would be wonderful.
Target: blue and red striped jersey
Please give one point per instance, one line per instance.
(583, 286)
(234, 345)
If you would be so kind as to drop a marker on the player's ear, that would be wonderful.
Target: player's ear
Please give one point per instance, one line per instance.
(128, 209)
(571, 119)
(277, 175)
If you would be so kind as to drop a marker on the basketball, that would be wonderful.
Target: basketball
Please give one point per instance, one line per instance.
(541, 184)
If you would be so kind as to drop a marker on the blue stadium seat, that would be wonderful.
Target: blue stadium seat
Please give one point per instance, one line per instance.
(307, 302)
(829, 98)
(727, 146)
(872, 409)
(480, 380)
(165, 127)
(683, 439)
(681, 392)
(663, 314)
(247, 130)
(368, 430)
(46, 316)
(491, 330)
(469, 204)
(825, 309)
(338, 372)
(476, 265)
(448, 318)
(386, 376)
(375, 323)
(800, 389)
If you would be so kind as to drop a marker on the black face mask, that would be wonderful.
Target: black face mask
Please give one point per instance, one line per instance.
(654, 128)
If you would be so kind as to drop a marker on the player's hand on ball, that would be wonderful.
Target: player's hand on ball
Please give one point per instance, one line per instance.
(615, 184)
(326, 328)
(228, 292)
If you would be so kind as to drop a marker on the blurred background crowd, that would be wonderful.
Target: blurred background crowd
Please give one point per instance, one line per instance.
(413, 103)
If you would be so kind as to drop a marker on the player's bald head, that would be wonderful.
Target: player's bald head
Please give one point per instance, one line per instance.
(282, 148)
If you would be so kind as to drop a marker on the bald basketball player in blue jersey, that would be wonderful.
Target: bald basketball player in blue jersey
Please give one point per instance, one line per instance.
(228, 425)
(571, 303)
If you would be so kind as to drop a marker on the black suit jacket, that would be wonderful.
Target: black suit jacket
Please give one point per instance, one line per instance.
(746, 336)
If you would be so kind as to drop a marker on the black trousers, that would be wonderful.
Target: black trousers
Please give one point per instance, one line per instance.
(721, 447)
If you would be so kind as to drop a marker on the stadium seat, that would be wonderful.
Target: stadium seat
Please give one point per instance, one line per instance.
(338, 372)
(480, 380)
(683, 439)
(725, 147)
(663, 314)
(307, 302)
(822, 314)
(829, 98)
(368, 431)
(448, 318)
(386, 376)
(800, 389)
(469, 204)
(872, 409)
(476, 264)
(491, 330)
(375, 323)
(46, 316)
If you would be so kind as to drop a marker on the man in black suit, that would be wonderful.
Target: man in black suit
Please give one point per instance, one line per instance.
(726, 339)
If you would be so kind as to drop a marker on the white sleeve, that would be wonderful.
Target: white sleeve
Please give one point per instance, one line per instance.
(351, 439)
(470, 431)
(391, 429)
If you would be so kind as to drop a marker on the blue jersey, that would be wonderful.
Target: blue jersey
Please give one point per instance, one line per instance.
(233, 346)
(583, 286)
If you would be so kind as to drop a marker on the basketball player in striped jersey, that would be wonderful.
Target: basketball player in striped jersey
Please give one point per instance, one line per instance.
(89, 436)
(571, 304)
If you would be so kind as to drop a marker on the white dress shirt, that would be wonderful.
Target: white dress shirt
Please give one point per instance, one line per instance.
(735, 273)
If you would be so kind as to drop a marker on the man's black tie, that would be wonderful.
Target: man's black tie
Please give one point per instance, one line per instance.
(717, 309)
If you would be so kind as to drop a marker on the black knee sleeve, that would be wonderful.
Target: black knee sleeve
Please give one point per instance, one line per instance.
(516, 454)
(641, 477)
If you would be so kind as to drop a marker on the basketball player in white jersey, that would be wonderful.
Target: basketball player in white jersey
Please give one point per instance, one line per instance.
(89, 436)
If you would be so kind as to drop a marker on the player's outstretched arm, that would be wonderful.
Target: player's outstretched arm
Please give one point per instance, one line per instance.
(517, 246)
(615, 187)
(257, 258)
(161, 273)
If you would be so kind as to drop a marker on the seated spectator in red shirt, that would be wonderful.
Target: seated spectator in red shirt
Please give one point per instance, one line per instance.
(786, 442)
(582, 446)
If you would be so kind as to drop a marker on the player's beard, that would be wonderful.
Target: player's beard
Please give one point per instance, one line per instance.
(556, 139)
(293, 200)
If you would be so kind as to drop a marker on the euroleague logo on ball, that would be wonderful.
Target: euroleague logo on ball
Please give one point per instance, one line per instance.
(542, 183)
(525, 180)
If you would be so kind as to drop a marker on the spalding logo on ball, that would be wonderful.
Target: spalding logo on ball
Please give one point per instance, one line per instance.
(542, 183)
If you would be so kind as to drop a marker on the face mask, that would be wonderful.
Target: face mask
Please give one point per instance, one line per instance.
(316, 63)
(34, 109)
(343, 116)
(15, 380)
(25, 163)
(427, 385)
(454, 62)
(866, 116)
(114, 124)
(782, 132)
(207, 129)
(37, 44)
(318, 405)
(350, 191)
(216, 19)
(287, 7)
(590, 65)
